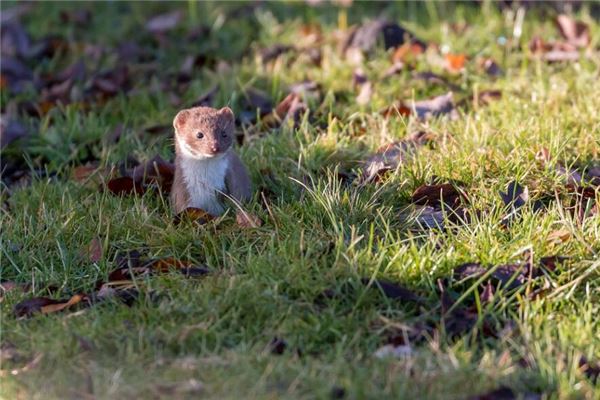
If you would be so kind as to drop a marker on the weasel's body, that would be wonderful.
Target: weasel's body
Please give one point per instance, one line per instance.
(206, 168)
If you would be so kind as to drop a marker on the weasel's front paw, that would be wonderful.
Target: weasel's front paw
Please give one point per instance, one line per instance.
(247, 220)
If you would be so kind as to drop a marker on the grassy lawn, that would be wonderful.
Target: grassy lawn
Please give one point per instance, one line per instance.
(293, 308)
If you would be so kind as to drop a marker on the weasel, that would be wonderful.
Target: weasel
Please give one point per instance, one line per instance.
(206, 167)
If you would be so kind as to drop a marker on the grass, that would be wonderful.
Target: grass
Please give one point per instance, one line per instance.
(210, 337)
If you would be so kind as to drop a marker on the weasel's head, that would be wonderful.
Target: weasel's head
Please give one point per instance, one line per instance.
(204, 132)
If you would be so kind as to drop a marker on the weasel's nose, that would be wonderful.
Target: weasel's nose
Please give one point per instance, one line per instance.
(214, 148)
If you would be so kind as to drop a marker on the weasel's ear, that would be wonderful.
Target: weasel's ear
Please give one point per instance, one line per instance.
(180, 119)
(227, 111)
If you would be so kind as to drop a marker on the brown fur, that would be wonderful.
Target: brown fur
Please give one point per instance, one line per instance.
(217, 127)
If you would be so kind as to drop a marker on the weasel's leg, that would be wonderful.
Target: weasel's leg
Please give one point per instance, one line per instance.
(237, 180)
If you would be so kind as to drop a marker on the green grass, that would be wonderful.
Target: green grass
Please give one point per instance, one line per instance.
(318, 233)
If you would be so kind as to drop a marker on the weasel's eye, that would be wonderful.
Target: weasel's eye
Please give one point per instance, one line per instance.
(199, 135)
(224, 134)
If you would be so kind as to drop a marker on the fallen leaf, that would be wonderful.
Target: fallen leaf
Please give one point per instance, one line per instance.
(407, 51)
(247, 220)
(559, 236)
(45, 305)
(434, 107)
(192, 214)
(490, 67)
(391, 156)
(455, 62)
(516, 196)
(94, 250)
(435, 195)
(277, 346)
(469, 271)
(273, 52)
(575, 32)
(366, 92)
(502, 393)
(164, 22)
(485, 97)
(370, 33)
(392, 290)
(511, 276)
(124, 186)
(590, 369)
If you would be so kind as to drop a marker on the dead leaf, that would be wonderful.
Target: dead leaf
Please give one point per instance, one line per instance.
(435, 195)
(277, 346)
(366, 92)
(575, 32)
(407, 52)
(455, 62)
(392, 290)
(558, 236)
(391, 156)
(247, 220)
(94, 250)
(271, 53)
(468, 271)
(502, 393)
(124, 185)
(192, 214)
(485, 97)
(368, 35)
(490, 67)
(45, 305)
(164, 22)
(590, 369)
(516, 196)
(439, 105)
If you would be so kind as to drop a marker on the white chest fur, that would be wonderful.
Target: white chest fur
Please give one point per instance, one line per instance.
(204, 180)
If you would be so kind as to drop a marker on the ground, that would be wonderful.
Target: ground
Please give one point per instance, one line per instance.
(292, 309)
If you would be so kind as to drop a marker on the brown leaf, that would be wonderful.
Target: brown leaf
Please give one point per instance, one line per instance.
(124, 186)
(390, 156)
(51, 308)
(247, 220)
(164, 265)
(436, 106)
(575, 32)
(271, 53)
(407, 52)
(490, 67)
(485, 97)
(196, 215)
(469, 271)
(502, 393)
(516, 196)
(549, 263)
(511, 275)
(455, 62)
(45, 305)
(589, 368)
(559, 236)
(435, 195)
(94, 250)
(488, 293)
(164, 22)
(156, 171)
(365, 94)
(368, 35)
(277, 346)
(393, 290)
